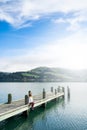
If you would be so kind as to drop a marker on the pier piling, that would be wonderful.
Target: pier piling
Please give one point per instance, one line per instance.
(44, 96)
(9, 98)
(68, 92)
(44, 93)
(26, 113)
(26, 99)
(58, 89)
(63, 90)
(55, 91)
(52, 89)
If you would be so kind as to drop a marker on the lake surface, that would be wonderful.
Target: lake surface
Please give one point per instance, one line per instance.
(68, 114)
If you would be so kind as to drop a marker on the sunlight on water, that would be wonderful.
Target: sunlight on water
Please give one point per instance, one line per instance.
(68, 114)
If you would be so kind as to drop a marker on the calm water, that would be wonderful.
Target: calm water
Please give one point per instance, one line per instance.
(68, 114)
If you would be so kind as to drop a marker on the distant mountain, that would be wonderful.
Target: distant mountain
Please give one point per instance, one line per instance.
(45, 74)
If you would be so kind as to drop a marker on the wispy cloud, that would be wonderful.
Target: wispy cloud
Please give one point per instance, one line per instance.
(74, 20)
(18, 12)
(69, 52)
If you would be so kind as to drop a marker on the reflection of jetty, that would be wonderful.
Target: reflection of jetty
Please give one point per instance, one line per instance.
(21, 106)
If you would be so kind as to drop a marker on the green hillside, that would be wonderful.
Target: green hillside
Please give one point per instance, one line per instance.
(45, 74)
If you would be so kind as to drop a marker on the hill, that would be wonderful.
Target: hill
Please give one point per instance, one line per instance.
(45, 74)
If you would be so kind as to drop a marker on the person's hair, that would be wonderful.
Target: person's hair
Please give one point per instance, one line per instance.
(30, 94)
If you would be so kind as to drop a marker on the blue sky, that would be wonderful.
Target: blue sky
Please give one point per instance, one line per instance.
(37, 33)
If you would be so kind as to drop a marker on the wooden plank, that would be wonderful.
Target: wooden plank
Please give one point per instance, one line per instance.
(17, 107)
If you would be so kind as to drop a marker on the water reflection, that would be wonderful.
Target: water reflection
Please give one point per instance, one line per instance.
(68, 94)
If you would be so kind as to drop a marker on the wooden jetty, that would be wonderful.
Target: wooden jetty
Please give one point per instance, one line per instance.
(21, 106)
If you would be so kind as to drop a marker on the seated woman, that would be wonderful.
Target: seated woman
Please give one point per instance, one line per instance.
(31, 102)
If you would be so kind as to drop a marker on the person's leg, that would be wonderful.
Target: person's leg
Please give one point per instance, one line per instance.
(32, 105)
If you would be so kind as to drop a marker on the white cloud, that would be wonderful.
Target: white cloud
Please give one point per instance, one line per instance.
(18, 12)
(69, 52)
(74, 21)
(60, 20)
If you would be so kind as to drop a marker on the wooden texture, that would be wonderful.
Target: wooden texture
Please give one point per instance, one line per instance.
(17, 107)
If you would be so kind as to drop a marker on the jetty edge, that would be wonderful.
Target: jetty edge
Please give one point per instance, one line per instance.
(21, 106)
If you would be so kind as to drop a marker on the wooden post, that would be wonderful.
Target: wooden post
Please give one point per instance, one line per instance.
(55, 94)
(26, 113)
(44, 96)
(26, 99)
(44, 93)
(52, 89)
(9, 98)
(63, 90)
(58, 89)
(55, 91)
(68, 92)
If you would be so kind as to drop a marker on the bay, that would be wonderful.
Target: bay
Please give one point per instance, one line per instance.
(67, 114)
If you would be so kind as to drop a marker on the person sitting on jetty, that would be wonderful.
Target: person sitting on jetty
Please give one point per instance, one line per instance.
(31, 102)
